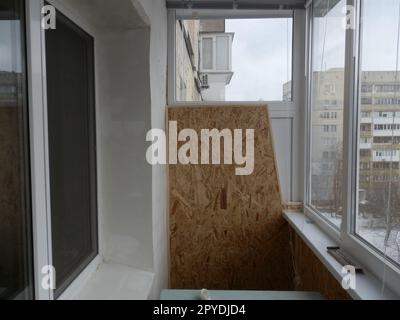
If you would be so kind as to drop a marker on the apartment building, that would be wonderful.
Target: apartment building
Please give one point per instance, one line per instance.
(188, 85)
(378, 141)
(203, 60)
(379, 129)
(327, 138)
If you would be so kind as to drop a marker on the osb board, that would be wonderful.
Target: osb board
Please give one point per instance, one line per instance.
(293, 206)
(11, 206)
(227, 231)
(311, 274)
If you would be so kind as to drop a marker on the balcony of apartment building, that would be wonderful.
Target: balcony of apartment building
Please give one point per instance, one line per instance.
(386, 128)
(107, 191)
(386, 155)
(366, 143)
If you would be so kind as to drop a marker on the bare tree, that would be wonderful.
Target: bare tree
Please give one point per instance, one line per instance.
(337, 187)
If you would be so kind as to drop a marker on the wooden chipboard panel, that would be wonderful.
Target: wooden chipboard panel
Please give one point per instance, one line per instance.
(227, 231)
(311, 274)
(11, 206)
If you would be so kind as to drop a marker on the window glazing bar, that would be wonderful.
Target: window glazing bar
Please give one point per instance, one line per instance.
(242, 5)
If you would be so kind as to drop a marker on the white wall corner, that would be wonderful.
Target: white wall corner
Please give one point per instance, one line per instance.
(156, 12)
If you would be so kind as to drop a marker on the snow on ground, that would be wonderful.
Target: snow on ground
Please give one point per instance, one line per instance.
(373, 231)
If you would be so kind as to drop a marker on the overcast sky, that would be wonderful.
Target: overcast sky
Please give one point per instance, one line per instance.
(379, 39)
(10, 59)
(260, 55)
(260, 50)
(381, 22)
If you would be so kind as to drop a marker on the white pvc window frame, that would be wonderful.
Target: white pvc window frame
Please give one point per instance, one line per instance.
(297, 48)
(363, 253)
(39, 146)
(40, 172)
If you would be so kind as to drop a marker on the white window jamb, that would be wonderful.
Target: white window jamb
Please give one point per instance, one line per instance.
(41, 218)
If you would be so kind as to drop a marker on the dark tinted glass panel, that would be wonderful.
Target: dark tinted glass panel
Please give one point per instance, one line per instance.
(15, 213)
(71, 123)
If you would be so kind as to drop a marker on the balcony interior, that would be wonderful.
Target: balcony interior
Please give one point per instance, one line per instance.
(167, 231)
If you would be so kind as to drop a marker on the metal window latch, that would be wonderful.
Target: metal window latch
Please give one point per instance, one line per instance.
(341, 257)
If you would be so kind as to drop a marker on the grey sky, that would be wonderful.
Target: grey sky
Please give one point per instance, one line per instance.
(260, 58)
(381, 21)
(10, 59)
(379, 40)
(260, 48)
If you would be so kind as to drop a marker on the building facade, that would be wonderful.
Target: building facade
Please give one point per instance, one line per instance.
(327, 139)
(379, 137)
(203, 60)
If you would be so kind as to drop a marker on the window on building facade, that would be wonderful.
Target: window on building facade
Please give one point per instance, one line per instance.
(366, 88)
(241, 59)
(207, 45)
(327, 90)
(366, 100)
(387, 88)
(223, 52)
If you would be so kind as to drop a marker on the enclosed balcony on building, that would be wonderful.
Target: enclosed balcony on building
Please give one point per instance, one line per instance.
(199, 150)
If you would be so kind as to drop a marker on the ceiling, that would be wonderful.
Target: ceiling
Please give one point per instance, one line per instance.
(105, 15)
(238, 4)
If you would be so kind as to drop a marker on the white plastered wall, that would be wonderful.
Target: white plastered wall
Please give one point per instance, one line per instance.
(131, 56)
(157, 13)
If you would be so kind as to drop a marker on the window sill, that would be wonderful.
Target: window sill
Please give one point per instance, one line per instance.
(368, 287)
(110, 281)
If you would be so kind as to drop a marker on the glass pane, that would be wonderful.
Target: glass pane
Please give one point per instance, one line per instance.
(222, 53)
(240, 59)
(378, 219)
(207, 53)
(15, 215)
(262, 59)
(71, 123)
(326, 168)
